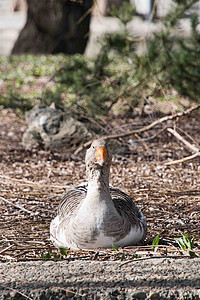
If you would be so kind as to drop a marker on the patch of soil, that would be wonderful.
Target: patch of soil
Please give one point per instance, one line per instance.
(33, 183)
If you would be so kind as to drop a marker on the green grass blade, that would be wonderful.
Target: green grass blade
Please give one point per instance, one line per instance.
(63, 251)
(123, 256)
(155, 242)
(186, 240)
(181, 243)
(115, 248)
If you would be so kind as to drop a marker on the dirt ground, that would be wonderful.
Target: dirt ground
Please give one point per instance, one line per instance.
(33, 182)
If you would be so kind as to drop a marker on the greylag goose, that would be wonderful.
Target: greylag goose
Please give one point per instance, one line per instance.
(95, 214)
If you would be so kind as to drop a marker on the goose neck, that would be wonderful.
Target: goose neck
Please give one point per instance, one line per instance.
(98, 180)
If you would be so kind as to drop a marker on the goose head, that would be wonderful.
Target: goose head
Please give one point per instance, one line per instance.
(98, 157)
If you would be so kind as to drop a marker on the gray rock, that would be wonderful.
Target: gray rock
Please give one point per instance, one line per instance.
(54, 127)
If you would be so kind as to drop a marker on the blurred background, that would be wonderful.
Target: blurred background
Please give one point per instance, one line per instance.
(13, 15)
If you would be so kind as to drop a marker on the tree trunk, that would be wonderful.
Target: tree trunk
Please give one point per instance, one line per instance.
(55, 26)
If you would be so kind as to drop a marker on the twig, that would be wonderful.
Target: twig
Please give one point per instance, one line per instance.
(159, 121)
(190, 137)
(91, 120)
(143, 142)
(69, 291)
(84, 146)
(35, 242)
(31, 183)
(183, 192)
(189, 146)
(55, 74)
(7, 248)
(7, 257)
(10, 240)
(19, 207)
(145, 128)
(148, 138)
(197, 154)
(9, 288)
(24, 182)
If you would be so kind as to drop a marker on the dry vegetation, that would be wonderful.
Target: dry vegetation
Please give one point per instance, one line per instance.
(34, 181)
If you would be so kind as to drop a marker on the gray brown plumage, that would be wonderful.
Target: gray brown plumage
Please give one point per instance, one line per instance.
(95, 214)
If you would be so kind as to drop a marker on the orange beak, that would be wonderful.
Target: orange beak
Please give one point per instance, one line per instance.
(101, 156)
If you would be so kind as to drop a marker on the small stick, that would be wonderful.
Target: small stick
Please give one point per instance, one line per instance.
(7, 257)
(35, 242)
(81, 148)
(145, 128)
(91, 120)
(30, 183)
(75, 293)
(189, 146)
(190, 137)
(183, 159)
(143, 142)
(19, 207)
(6, 249)
(9, 288)
(10, 240)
